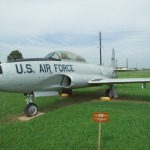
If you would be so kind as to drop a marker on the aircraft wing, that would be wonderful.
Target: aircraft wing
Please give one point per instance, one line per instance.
(119, 81)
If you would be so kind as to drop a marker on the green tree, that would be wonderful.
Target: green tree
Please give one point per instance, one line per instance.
(14, 55)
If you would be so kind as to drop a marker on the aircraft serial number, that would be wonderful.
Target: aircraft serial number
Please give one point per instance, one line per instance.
(43, 68)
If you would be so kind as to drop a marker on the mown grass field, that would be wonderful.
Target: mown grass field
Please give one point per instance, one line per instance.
(67, 123)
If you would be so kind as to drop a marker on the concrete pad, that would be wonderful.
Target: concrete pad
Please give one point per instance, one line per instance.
(25, 118)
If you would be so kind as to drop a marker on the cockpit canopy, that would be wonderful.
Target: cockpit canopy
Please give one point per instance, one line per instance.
(65, 55)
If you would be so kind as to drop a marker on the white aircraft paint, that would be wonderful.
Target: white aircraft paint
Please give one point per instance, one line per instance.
(58, 71)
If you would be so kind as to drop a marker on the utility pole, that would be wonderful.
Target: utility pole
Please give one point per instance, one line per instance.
(127, 64)
(100, 48)
(136, 66)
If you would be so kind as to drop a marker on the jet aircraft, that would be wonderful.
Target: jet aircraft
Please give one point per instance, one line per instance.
(58, 72)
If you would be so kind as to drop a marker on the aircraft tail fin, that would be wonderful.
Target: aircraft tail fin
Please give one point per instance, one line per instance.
(113, 59)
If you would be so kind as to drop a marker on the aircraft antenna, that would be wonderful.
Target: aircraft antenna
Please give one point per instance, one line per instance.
(100, 45)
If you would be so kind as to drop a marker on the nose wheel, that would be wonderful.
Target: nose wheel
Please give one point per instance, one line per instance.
(31, 110)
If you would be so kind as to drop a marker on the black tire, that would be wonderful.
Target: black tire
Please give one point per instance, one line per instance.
(31, 110)
(107, 93)
(69, 92)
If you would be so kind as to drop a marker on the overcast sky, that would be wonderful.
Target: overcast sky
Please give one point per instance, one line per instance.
(38, 27)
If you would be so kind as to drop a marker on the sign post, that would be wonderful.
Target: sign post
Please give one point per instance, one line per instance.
(99, 136)
(100, 117)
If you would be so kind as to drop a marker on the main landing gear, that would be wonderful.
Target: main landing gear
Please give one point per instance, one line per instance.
(111, 92)
(66, 91)
(31, 108)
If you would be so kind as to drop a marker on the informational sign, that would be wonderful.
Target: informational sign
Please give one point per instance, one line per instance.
(100, 117)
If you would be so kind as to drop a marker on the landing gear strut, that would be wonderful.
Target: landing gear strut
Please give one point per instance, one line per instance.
(31, 108)
(107, 93)
(111, 92)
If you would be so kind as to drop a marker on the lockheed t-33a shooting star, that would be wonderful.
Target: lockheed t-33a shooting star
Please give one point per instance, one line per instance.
(59, 71)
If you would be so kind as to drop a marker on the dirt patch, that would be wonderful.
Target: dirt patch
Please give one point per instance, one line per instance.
(123, 100)
(24, 118)
(132, 101)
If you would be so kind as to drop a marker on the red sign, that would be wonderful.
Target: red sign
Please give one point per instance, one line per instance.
(100, 117)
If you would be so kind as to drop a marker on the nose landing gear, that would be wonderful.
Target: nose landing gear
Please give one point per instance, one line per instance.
(31, 108)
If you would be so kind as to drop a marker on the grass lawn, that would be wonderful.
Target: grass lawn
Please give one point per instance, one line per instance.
(67, 123)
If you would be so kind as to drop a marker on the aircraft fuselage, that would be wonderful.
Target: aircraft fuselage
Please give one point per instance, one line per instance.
(29, 76)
